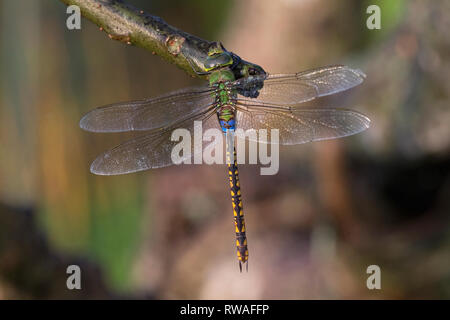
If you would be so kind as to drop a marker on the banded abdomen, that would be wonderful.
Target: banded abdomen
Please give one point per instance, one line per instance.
(226, 113)
(238, 211)
(227, 124)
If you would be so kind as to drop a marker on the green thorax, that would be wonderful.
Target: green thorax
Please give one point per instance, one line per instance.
(221, 82)
(221, 76)
(225, 96)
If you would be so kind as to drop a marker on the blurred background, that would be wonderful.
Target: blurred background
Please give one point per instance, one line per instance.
(381, 197)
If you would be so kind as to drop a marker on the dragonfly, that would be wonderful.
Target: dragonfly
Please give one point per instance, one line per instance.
(256, 101)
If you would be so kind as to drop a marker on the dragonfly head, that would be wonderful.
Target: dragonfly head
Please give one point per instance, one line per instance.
(250, 77)
(248, 69)
(223, 66)
(219, 57)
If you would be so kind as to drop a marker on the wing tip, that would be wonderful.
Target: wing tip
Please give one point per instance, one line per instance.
(360, 73)
(368, 122)
(100, 163)
(93, 122)
(95, 167)
(102, 167)
(366, 119)
(86, 122)
(356, 71)
(361, 116)
(83, 123)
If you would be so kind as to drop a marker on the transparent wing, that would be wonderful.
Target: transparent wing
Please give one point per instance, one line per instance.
(292, 89)
(148, 114)
(300, 125)
(152, 150)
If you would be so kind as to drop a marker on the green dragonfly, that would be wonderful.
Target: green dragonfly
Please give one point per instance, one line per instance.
(256, 101)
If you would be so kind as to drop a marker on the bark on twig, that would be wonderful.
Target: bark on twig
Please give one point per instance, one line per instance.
(127, 24)
(135, 27)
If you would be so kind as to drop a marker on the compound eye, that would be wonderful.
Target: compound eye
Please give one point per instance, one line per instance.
(252, 72)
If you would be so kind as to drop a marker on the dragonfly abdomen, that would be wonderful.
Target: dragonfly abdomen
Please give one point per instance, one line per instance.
(238, 211)
(226, 115)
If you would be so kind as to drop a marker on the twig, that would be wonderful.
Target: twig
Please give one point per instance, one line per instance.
(135, 27)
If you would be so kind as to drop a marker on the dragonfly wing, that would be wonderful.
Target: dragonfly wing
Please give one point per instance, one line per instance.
(300, 125)
(148, 114)
(292, 89)
(153, 150)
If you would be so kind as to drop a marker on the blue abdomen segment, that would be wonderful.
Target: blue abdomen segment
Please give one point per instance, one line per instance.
(227, 125)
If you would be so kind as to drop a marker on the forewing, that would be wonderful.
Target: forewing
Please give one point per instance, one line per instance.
(150, 151)
(292, 89)
(159, 112)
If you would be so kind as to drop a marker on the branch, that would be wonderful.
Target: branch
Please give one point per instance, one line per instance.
(127, 24)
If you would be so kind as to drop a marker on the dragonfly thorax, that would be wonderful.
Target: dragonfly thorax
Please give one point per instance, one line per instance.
(225, 100)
